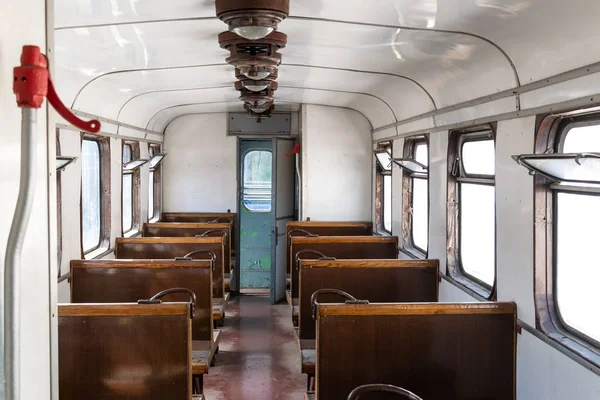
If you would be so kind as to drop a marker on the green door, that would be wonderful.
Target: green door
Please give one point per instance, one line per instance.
(256, 213)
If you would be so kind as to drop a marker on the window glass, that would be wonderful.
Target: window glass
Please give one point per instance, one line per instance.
(421, 155)
(477, 231)
(577, 268)
(90, 195)
(582, 139)
(387, 203)
(127, 202)
(420, 208)
(258, 170)
(126, 153)
(478, 157)
(151, 195)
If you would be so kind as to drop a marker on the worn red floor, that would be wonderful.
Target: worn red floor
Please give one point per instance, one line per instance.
(258, 358)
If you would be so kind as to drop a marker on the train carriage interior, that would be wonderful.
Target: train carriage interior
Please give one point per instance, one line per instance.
(300, 199)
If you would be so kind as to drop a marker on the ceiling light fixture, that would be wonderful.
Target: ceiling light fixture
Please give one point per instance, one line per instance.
(252, 19)
(256, 73)
(255, 86)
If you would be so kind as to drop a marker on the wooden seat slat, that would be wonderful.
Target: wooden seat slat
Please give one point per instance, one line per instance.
(438, 351)
(203, 352)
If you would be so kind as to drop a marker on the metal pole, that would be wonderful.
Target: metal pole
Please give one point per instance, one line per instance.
(12, 262)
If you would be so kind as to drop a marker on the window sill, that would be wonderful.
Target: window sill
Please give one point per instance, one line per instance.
(132, 233)
(98, 253)
(381, 233)
(413, 253)
(472, 288)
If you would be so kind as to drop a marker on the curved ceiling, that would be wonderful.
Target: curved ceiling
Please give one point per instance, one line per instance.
(146, 62)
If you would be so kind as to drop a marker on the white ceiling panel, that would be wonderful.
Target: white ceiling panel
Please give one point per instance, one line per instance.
(165, 117)
(83, 54)
(412, 56)
(144, 108)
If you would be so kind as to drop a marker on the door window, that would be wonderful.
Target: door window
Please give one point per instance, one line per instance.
(257, 178)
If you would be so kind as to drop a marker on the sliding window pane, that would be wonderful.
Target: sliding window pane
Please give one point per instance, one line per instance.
(477, 231)
(420, 208)
(387, 203)
(582, 139)
(127, 202)
(151, 196)
(577, 266)
(90, 194)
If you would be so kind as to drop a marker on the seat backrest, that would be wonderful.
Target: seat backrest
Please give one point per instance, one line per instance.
(124, 281)
(378, 281)
(169, 248)
(125, 351)
(323, 228)
(341, 247)
(204, 217)
(185, 229)
(440, 351)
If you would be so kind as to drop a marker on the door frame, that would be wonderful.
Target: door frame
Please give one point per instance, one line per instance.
(238, 163)
(275, 233)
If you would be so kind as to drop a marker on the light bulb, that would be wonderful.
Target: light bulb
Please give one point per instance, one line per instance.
(261, 102)
(257, 76)
(256, 88)
(253, 32)
(258, 110)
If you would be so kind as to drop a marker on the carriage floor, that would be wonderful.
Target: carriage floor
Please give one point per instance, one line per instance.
(258, 358)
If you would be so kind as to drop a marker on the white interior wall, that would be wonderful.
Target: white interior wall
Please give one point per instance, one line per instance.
(70, 145)
(26, 20)
(337, 164)
(199, 173)
(543, 372)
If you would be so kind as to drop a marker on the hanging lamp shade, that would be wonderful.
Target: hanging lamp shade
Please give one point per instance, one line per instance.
(252, 19)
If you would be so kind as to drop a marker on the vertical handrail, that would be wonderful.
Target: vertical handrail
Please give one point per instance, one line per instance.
(14, 250)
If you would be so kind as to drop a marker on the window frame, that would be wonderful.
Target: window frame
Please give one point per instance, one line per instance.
(457, 175)
(550, 135)
(105, 199)
(380, 189)
(135, 189)
(155, 149)
(409, 151)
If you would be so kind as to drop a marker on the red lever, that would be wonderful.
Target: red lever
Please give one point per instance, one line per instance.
(295, 150)
(32, 83)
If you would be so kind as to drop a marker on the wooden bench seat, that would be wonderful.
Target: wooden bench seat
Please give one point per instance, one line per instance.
(174, 247)
(219, 308)
(340, 247)
(209, 217)
(117, 351)
(438, 351)
(323, 228)
(119, 281)
(184, 229)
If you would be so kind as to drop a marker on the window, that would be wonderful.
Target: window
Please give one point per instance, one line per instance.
(154, 181)
(130, 200)
(567, 182)
(258, 172)
(95, 194)
(471, 199)
(383, 197)
(416, 195)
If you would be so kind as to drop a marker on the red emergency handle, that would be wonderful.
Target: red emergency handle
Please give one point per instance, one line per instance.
(32, 83)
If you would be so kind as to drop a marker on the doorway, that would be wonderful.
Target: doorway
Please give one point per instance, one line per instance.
(266, 202)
